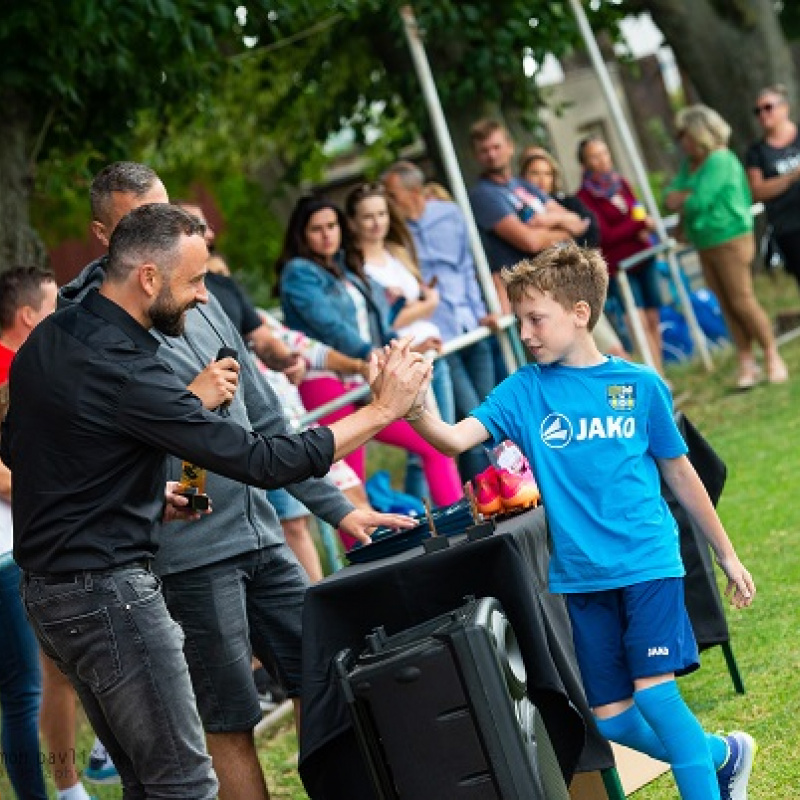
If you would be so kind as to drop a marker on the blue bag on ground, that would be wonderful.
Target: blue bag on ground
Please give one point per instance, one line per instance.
(709, 315)
(383, 497)
(676, 341)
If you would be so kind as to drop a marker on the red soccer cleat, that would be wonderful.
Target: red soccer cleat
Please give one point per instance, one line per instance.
(487, 492)
(518, 490)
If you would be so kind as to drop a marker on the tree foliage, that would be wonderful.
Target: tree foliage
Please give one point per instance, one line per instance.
(74, 74)
(316, 68)
(246, 94)
(80, 69)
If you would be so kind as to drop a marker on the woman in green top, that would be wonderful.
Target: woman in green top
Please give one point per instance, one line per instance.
(713, 197)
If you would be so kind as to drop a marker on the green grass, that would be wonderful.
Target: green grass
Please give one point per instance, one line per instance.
(757, 433)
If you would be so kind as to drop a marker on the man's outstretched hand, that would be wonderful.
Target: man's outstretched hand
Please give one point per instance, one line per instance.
(399, 377)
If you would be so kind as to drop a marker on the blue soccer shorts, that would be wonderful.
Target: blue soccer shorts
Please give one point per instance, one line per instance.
(637, 631)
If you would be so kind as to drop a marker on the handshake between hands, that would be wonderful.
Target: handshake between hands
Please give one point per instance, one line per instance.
(399, 378)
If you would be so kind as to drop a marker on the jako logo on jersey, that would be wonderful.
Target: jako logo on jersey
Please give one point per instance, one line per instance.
(556, 431)
(608, 428)
(657, 651)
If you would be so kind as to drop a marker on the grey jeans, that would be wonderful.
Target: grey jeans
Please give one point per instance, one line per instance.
(111, 634)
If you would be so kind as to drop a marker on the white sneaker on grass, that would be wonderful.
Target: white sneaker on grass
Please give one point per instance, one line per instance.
(734, 774)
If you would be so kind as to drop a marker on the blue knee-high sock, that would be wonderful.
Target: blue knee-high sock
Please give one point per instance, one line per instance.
(683, 740)
(629, 728)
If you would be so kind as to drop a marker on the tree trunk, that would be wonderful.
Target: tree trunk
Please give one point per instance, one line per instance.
(730, 49)
(19, 242)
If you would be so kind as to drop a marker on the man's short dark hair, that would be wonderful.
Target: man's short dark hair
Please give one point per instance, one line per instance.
(125, 177)
(149, 234)
(19, 287)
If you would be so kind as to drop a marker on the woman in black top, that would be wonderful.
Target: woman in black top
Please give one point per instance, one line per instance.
(541, 169)
(773, 169)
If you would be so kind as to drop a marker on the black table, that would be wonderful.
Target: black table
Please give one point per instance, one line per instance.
(412, 587)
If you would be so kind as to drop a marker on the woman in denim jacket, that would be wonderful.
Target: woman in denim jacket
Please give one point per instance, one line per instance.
(342, 307)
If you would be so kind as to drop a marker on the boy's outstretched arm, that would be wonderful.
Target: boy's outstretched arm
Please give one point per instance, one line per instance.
(448, 439)
(685, 483)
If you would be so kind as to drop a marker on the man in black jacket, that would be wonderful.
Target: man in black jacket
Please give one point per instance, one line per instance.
(88, 454)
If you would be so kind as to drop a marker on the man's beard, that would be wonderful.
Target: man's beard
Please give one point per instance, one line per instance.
(165, 314)
(495, 172)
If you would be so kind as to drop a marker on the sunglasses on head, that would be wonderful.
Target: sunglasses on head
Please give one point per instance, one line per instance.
(758, 110)
(370, 189)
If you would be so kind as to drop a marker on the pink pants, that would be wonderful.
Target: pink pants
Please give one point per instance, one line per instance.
(440, 471)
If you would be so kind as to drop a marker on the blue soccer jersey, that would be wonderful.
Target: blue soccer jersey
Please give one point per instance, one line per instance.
(591, 435)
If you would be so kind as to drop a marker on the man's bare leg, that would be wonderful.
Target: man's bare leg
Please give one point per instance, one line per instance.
(57, 722)
(298, 537)
(236, 763)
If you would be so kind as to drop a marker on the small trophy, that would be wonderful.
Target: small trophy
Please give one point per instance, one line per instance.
(481, 528)
(436, 541)
(193, 486)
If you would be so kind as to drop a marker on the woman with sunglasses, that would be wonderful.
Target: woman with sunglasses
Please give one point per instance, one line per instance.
(773, 170)
(338, 304)
(713, 198)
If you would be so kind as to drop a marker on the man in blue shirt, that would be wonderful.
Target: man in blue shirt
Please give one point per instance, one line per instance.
(515, 219)
(599, 435)
(442, 242)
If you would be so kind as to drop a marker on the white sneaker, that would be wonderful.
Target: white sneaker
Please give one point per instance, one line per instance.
(734, 774)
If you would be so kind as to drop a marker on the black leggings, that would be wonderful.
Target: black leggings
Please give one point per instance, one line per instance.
(789, 244)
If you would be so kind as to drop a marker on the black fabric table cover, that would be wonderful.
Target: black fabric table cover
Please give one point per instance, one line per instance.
(703, 602)
(412, 587)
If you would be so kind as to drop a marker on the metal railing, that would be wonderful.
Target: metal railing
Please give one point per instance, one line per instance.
(667, 247)
(506, 323)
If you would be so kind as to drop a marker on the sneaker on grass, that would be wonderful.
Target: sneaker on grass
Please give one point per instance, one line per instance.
(734, 774)
(101, 768)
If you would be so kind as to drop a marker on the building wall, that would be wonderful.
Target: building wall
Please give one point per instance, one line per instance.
(577, 108)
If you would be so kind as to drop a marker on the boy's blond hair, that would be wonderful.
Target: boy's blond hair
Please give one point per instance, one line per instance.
(568, 273)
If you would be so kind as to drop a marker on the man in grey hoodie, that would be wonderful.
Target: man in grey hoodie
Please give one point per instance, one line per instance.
(229, 578)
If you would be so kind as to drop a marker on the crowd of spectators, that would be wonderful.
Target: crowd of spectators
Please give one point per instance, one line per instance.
(394, 262)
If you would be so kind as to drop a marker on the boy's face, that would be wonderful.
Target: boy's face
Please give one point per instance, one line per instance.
(550, 332)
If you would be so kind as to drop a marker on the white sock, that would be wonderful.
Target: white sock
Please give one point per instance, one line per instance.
(76, 792)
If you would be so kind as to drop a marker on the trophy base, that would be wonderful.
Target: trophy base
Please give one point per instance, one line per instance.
(197, 500)
(435, 543)
(481, 530)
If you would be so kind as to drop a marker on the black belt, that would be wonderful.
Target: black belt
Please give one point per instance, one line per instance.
(55, 578)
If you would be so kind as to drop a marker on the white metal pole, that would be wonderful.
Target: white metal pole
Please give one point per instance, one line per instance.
(632, 312)
(428, 85)
(624, 131)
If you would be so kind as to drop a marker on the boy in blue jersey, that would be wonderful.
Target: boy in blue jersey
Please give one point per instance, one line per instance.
(599, 433)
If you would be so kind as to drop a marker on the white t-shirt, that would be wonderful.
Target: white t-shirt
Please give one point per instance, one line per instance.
(6, 528)
(393, 273)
